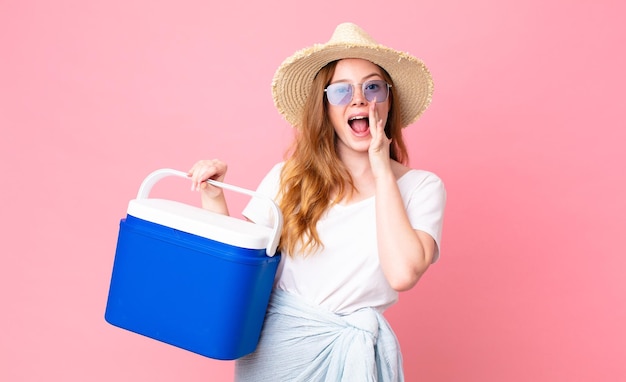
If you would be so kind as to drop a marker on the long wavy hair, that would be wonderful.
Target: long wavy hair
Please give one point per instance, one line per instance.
(313, 172)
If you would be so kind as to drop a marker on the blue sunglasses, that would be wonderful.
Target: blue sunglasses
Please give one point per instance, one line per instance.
(341, 93)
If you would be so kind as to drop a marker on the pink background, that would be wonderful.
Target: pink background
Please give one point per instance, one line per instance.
(526, 129)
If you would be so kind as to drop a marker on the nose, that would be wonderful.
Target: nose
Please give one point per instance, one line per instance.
(358, 97)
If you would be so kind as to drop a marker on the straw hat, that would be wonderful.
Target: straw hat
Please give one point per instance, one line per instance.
(292, 81)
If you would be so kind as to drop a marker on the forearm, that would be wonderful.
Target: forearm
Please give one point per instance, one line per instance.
(404, 254)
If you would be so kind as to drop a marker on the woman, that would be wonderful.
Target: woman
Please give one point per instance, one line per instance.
(359, 225)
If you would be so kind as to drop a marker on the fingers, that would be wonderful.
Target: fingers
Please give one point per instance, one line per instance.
(206, 169)
(377, 128)
(373, 117)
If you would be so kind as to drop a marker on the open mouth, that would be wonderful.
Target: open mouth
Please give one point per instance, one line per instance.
(359, 125)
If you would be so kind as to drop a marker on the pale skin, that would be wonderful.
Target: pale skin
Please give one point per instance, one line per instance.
(404, 253)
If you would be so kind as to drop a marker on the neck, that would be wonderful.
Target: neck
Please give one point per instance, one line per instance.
(358, 164)
(360, 170)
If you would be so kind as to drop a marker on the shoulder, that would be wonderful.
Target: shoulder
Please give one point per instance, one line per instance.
(275, 170)
(269, 183)
(421, 182)
(405, 174)
(420, 176)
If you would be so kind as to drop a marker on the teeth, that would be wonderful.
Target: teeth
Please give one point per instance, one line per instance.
(361, 117)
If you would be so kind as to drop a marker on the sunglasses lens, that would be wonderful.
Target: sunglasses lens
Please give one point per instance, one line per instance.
(376, 90)
(339, 93)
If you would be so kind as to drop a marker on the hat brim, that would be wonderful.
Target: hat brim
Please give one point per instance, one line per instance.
(292, 81)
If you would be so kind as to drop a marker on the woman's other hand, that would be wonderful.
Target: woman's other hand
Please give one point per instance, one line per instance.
(379, 145)
(212, 197)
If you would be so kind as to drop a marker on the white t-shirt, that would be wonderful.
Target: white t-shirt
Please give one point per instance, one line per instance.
(345, 274)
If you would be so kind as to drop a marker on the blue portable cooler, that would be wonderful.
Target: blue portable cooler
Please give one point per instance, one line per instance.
(192, 278)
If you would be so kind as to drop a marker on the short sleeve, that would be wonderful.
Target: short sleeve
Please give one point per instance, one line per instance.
(257, 210)
(425, 195)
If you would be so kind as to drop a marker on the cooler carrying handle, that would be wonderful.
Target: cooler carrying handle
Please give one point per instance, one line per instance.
(155, 176)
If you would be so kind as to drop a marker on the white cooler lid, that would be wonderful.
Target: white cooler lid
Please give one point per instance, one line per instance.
(201, 222)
